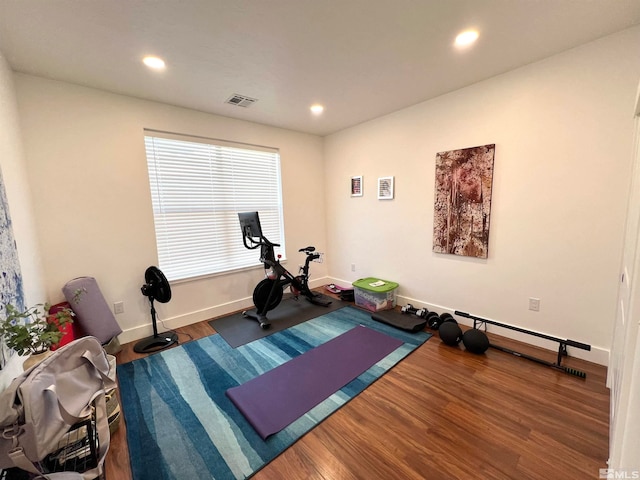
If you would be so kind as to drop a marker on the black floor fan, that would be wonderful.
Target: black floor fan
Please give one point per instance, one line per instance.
(156, 288)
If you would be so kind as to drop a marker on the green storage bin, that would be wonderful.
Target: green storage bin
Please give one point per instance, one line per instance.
(375, 294)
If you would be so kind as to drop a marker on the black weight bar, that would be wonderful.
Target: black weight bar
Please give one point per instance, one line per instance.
(569, 370)
(562, 348)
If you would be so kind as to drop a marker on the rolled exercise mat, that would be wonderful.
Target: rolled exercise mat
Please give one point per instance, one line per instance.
(92, 312)
(280, 396)
(410, 323)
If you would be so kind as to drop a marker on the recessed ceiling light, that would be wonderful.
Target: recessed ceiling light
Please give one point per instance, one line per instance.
(317, 109)
(466, 38)
(154, 62)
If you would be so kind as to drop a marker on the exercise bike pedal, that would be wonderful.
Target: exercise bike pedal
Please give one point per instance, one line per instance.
(262, 320)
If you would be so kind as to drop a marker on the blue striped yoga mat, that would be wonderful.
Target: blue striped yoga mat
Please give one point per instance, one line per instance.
(181, 425)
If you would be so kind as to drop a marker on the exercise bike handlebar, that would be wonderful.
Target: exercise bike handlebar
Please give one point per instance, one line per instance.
(252, 244)
(255, 244)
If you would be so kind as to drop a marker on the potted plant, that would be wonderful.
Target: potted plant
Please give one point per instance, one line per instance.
(33, 331)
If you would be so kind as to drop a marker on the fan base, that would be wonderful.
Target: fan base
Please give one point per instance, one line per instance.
(155, 343)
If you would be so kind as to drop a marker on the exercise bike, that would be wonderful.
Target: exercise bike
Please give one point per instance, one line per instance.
(267, 294)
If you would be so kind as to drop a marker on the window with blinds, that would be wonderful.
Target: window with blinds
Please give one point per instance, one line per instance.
(198, 187)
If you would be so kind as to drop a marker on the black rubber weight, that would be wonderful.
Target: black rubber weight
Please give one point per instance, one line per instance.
(475, 341)
(433, 320)
(445, 316)
(450, 333)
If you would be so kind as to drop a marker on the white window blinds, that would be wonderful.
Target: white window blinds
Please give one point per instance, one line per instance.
(198, 186)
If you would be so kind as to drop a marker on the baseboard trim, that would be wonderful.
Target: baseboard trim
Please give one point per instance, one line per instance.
(146, 330)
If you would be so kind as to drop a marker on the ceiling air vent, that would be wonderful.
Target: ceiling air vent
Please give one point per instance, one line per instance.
(241, 100)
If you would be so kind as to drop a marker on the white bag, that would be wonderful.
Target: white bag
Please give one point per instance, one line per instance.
(41, 404)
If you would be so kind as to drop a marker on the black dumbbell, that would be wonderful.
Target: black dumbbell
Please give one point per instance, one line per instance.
(433, 320)
(411, 310)
(447, 317)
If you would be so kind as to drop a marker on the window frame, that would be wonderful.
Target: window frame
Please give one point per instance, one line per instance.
(193, 180)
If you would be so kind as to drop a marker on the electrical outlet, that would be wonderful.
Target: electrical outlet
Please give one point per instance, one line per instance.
(353, 267)
(118, 307)
(534, 304)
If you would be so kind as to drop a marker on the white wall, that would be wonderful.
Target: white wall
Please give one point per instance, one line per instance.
(562, 128)
(18, 195)
(563, 134)
(87, 168)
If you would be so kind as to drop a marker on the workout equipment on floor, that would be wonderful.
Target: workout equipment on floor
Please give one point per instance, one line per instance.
(156, 288)
(450, 332)
(402, 321)
(346, 294)
(267, 295)
(337, 289)
(433, 320)
(411, 310)
(562, 347)
(447, 317)
(475, 341)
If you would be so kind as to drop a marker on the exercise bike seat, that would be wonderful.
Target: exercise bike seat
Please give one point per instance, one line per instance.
(308, 249)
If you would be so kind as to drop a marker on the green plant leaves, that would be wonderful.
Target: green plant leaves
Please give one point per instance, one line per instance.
(33, 330)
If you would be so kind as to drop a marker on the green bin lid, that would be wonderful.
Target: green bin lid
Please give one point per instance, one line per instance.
(366, 284)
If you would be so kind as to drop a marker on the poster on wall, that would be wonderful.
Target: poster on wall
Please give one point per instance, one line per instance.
(11, 290)
(385, 188)
(463, 201)
(356, 186)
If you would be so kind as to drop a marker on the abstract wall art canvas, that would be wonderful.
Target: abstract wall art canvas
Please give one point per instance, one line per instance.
(11, 289)
(463, 201)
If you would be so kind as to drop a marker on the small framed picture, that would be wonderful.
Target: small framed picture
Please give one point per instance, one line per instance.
(356, 186)
(385, 188)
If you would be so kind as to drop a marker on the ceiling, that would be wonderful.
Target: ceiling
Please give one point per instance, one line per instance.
(360, 58)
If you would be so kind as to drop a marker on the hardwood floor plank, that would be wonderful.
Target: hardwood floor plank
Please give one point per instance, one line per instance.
(302, 461)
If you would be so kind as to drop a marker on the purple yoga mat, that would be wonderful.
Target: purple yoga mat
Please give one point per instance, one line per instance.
(276, 398)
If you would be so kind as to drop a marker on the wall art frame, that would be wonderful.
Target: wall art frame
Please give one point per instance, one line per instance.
(356, 186)
(385, 188)
(462, 204)
(11, 288)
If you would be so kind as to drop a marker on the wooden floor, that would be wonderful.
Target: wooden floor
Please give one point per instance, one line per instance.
(444, 413)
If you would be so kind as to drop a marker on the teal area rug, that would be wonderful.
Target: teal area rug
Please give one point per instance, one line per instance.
(180, 424)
